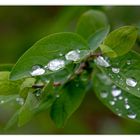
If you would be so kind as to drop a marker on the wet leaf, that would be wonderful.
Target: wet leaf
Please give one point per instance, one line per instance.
(124, 71)
(52, 47)
(119, 101)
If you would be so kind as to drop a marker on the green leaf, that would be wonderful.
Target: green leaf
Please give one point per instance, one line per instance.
(120, 41)
(13, 120)
(71, 96)
(125, 104)
(122, 68)
(45, 50)
(8, 87)
(90, 22)
(97, 38)
(27, 111)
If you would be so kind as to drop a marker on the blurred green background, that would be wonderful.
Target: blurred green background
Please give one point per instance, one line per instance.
(21, 27)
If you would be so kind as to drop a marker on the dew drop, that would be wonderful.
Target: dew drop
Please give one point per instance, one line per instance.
(128, 62)
(73, 55)
(115, 70)
(104, 94)
(116, 92)
(115, 99)
(132, 115)
(127, 106)
(126, 100)
(114, 86)
(101, 61)
(60, 54)
(37, 70)
(120, 97)
(131, 82)
(57, 95)
(112, 102)
(119, 114)
(55, 64)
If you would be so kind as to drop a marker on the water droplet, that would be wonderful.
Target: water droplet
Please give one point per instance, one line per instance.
(101, 61)
(55, 64)
(60, 54)
(132, 115)
(127, 106)
(2, 101)
(103, 94)
(114, 86)
(57, 95)
(138, 89)
(128, 62)
(112, 102)
(120, 97)
(116, 92)
(115, 99)
(115, 70)
(126, 100)
(20, 100)
(37, 70)
(73, 55)
(119, 114)
(131, 82)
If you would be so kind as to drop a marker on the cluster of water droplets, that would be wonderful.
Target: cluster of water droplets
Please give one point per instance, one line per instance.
(56, 64)
(116, 98)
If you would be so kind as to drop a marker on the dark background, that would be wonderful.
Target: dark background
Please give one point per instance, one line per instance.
(21, 27)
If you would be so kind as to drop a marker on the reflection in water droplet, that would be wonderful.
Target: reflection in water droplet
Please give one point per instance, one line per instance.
(112, 102)
(132, 115)
(115, 70)
(120, 97)
(37, 70)
(55, 64)
(116, 92)
(73, 55)
(104, 94)
(131, 82)
(101, 61)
